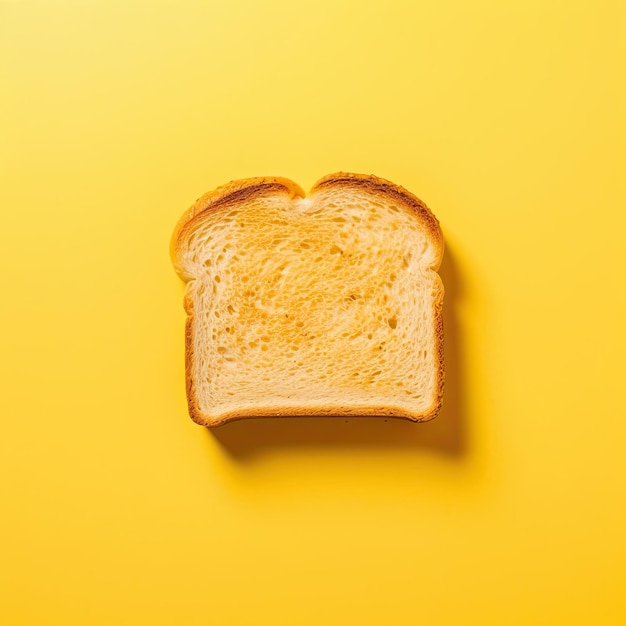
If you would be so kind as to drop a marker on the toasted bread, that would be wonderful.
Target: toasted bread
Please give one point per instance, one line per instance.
(326, 304)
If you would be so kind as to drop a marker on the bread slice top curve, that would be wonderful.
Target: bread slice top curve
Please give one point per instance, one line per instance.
(328, 304)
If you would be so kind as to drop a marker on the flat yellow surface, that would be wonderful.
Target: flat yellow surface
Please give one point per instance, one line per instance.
(508, 120)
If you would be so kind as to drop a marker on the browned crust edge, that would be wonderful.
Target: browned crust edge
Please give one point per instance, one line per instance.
(377, 185)
(321, 411)
(241, 190)
(234, 192)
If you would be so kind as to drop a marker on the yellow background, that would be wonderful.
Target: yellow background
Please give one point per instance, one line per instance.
(508, 119)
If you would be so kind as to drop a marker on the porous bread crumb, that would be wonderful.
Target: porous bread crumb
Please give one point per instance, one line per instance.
(329, 304)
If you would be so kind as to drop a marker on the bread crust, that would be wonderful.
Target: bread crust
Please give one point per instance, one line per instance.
(379, 186)
(319, 411)
(225, 196)
(240, 191)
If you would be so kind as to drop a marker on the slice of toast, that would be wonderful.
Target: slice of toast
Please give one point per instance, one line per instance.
(326, 304)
